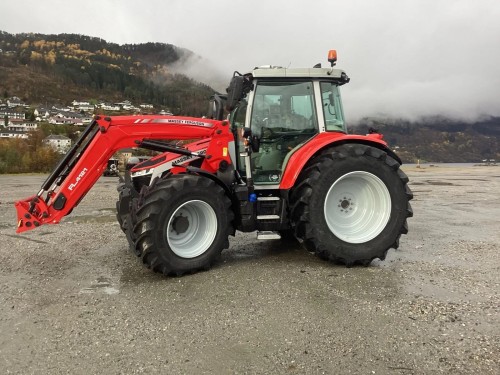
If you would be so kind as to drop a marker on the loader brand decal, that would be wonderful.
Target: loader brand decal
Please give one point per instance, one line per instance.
(159, 169)
(184, 158)
(78, 178)
(174, 121)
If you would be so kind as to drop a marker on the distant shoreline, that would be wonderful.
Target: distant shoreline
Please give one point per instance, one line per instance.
(450, 165)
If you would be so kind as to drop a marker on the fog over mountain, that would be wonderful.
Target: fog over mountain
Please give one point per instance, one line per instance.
(406, 59)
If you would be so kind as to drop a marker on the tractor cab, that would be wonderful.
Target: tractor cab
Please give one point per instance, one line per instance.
(275, 111)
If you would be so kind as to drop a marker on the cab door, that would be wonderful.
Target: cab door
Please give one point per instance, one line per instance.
(282, 117)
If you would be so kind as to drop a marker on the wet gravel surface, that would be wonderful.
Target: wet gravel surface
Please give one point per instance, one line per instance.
(74, 300)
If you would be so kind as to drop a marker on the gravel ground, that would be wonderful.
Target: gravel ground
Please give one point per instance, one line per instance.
(74, 300)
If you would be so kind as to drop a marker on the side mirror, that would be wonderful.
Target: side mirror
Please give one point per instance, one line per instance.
(216, 107)
(234, 92)
(212, 109)
(330, 97)
(239, 86)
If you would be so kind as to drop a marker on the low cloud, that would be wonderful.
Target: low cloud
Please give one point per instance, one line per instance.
(406, 59)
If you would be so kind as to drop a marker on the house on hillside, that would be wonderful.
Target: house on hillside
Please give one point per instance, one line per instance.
(82, 106)
(86, 108)
(5, 111)
(86, 120)
(109, 107)
(41, 113)
(70, 114)
(76, 103)
(67, 118)
(21, 125)
(60, 143)
(15, 102)
(126, 105)
(4, 133)
(60, 109)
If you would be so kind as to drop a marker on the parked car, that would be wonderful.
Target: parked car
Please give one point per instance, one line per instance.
(112, 168)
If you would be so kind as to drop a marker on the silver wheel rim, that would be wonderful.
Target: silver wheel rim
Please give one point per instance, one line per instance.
(357, 207)
(192, 228)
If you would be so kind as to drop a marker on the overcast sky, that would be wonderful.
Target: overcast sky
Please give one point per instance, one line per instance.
(406, 58)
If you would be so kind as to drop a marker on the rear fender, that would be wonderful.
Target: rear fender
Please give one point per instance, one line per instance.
(314, 146)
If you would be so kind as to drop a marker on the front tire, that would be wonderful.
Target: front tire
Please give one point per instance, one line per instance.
(183, 224)
(351, 204)
(126, 207)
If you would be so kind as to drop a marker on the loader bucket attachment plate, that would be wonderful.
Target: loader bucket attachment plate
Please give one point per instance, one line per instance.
(31, 213)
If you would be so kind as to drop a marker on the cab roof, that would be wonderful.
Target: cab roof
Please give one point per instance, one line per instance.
(277, 72)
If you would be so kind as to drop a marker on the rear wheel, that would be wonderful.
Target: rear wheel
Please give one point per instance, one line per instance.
(183, 224)
(350, 204)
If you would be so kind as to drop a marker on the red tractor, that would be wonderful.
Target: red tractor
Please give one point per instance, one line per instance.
(282, 163)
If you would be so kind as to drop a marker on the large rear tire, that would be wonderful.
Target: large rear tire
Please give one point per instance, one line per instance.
(183, 224)
(351, 204)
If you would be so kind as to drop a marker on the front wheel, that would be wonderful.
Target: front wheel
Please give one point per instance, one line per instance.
(125, 212)
(350, 204)
(183, 224)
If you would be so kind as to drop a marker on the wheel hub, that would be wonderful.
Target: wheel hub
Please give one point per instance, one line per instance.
(357, 207)
(191, 229)
(180, 224)
(346, 204)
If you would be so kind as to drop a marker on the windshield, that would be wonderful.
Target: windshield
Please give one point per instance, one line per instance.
(284, 106)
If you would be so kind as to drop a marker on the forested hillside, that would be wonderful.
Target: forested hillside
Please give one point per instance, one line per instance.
(42, 68)
(440, 140)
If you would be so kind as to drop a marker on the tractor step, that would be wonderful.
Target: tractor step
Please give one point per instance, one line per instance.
(268, 217)
(268, 235)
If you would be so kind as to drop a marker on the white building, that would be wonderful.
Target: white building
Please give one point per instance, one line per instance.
(66, 118)
(76, 103)
(41, 113)
(82, 106)
(12, 134)
(15, 102)
(21, 125)
(60, 143)
(4, 111)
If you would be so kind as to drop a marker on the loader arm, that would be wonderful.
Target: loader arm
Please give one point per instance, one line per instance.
(86, 161)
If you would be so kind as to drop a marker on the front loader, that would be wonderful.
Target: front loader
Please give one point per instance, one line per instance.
(280, 163)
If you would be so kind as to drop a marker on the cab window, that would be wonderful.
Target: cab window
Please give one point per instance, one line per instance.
(284, 106)
(332, 108)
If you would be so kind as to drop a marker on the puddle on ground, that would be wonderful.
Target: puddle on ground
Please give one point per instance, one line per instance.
(445, 183)
(19, 236)
(103, 285)
(107, 215)
(44, 233)
(440, 183)
(243, 249)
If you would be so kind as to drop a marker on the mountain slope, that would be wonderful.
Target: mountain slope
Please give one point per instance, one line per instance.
(439, 139)
(47, 68)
